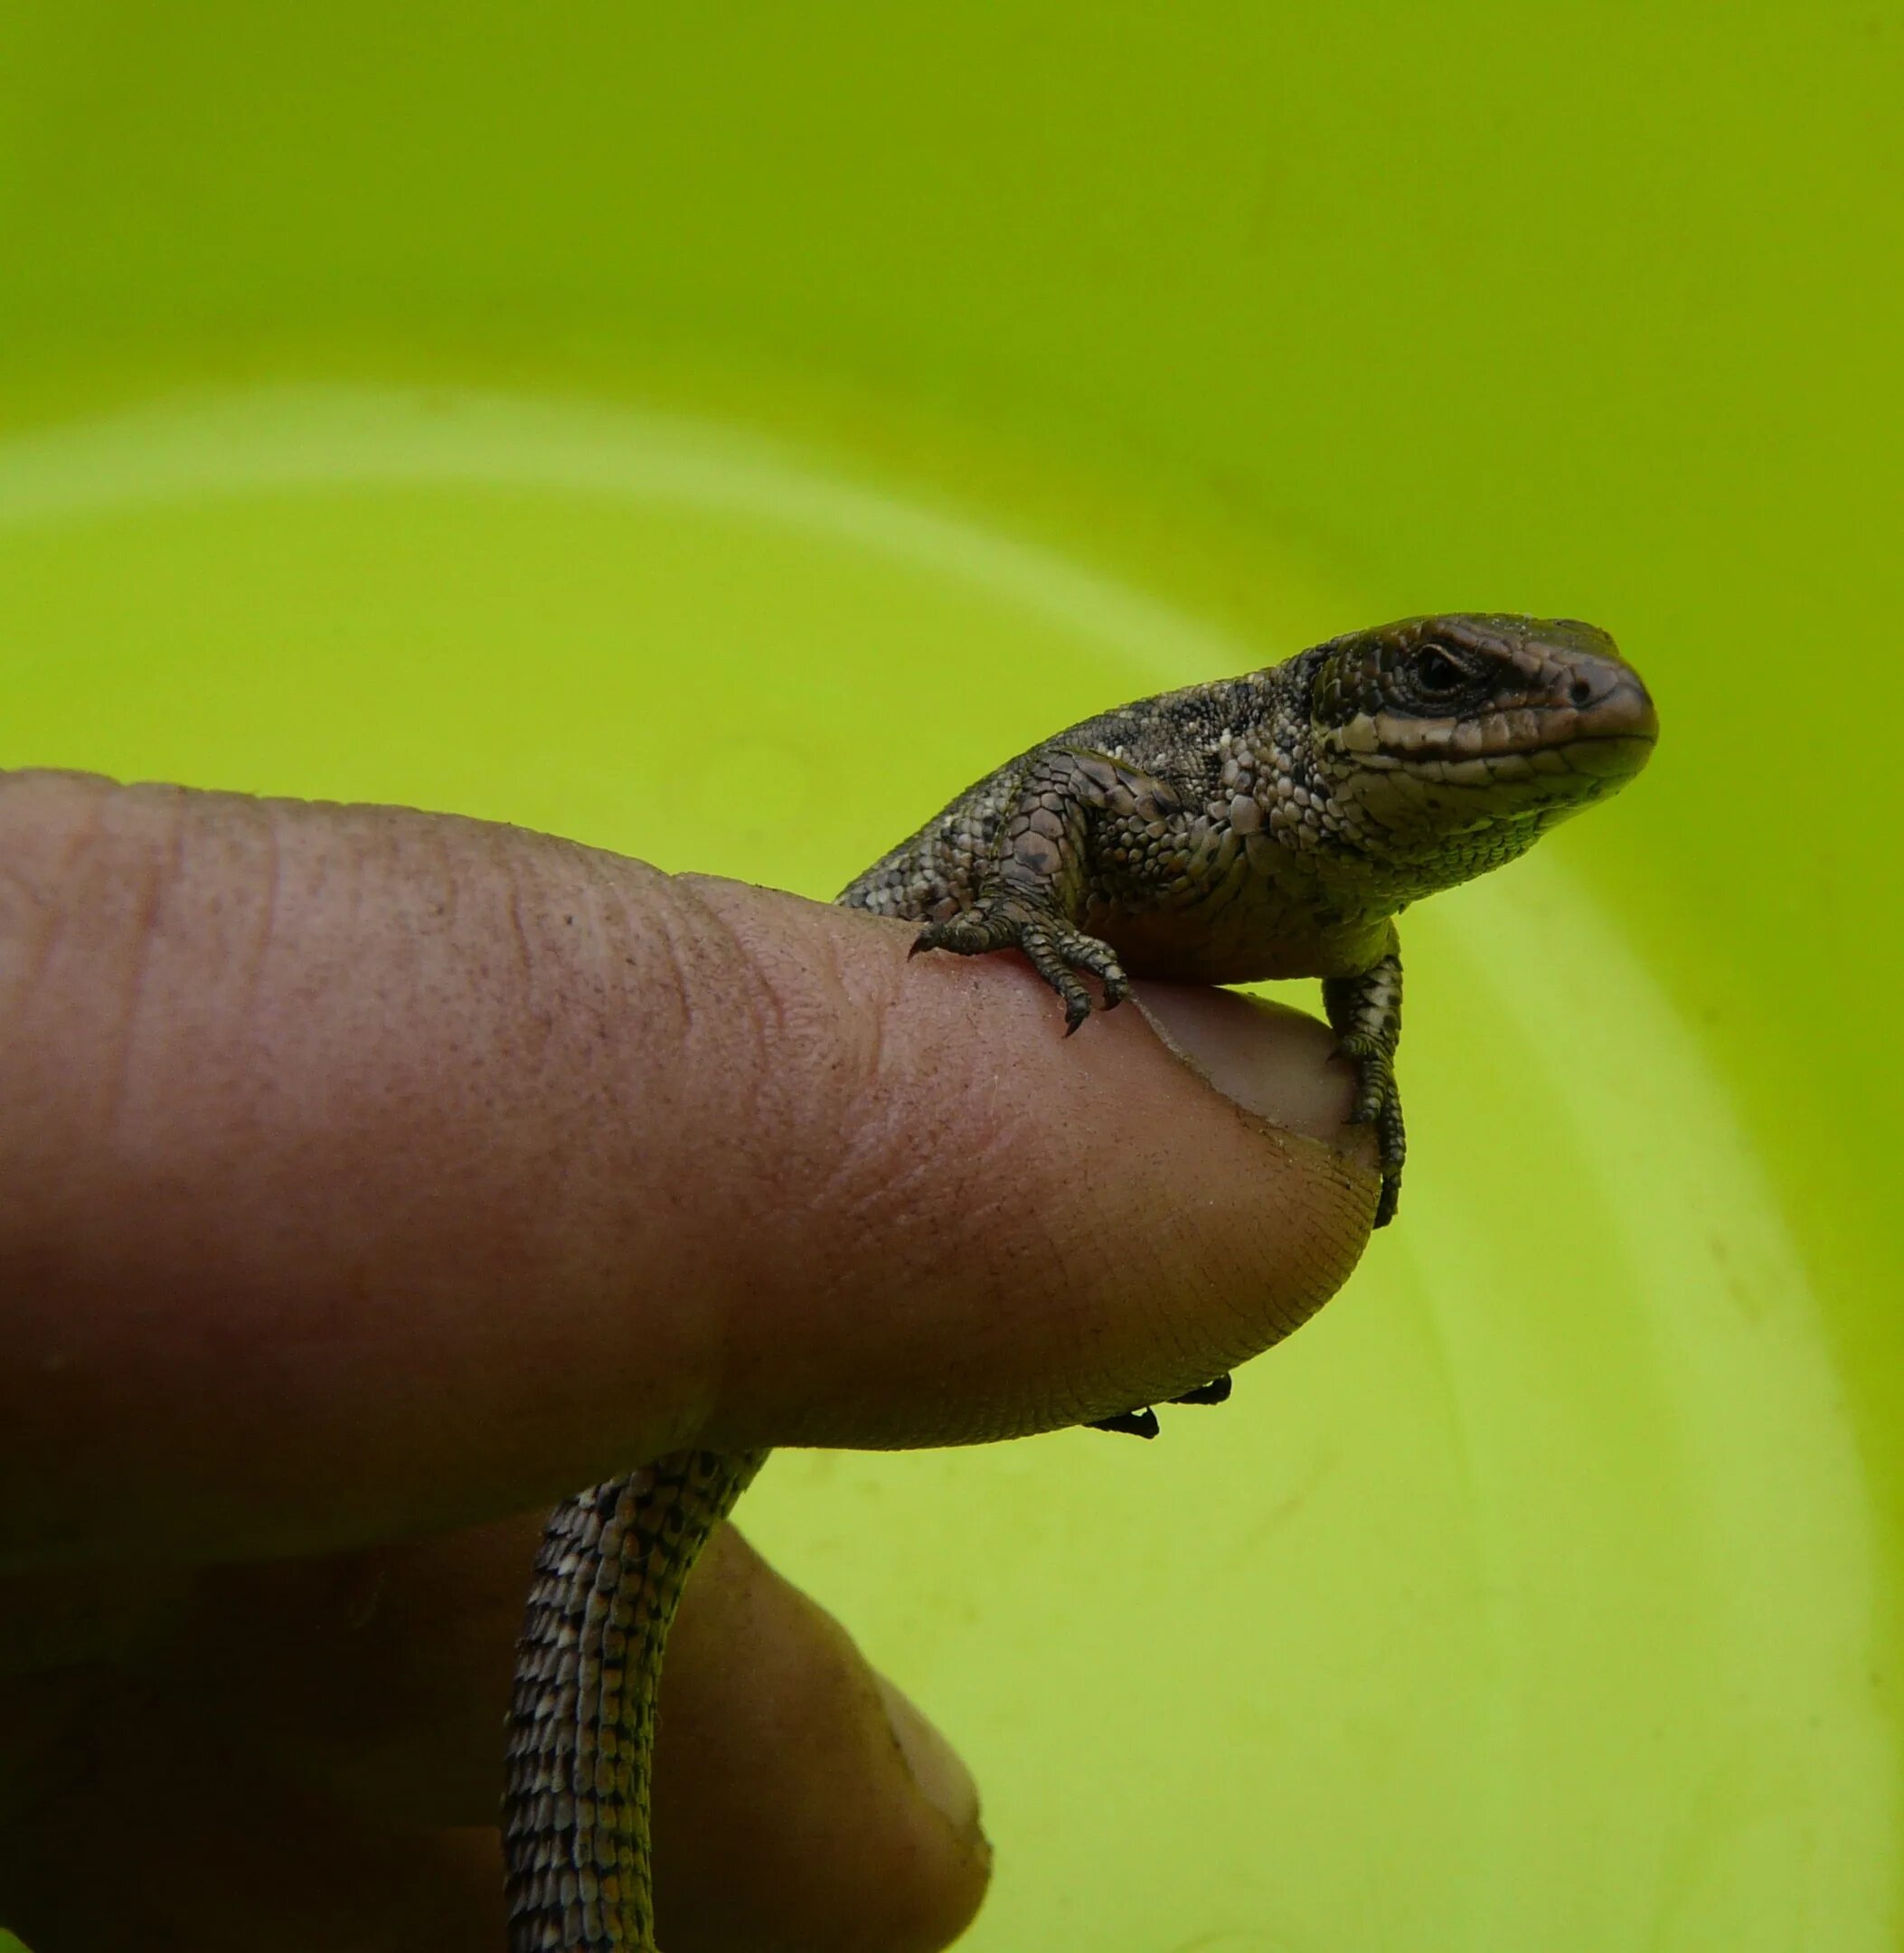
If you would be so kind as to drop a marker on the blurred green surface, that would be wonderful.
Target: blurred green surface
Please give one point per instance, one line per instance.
(531, 412)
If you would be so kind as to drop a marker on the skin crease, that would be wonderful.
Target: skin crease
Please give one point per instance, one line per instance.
(367, 1178)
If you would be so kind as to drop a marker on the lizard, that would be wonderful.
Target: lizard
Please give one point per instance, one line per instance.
(1266, 826)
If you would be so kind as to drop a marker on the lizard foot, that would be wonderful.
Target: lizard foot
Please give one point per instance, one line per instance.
(1365, 1010)
(1144, 1423)
(1056, 950)
(1131, 1423)
(1378, 1103)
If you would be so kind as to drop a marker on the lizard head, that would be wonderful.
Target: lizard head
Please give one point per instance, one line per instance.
(1447, 745)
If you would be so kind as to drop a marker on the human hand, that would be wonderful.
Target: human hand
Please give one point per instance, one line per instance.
(368, 1180)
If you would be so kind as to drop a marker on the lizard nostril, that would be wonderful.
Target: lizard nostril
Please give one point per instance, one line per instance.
(1582, 692)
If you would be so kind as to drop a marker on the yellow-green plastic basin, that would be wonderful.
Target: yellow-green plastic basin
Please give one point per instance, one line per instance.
(557, 413)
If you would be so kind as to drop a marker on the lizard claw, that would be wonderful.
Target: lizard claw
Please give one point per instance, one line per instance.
(1392, 1140)
(1375, 1077)
(1378, 1103)
(1055, 947)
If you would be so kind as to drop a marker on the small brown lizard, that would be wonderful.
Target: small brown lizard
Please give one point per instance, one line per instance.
(1270, 826)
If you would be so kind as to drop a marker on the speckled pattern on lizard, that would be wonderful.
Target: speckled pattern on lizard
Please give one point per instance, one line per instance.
(1271, 825)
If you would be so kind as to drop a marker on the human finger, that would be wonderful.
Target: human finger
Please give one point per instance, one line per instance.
(801, 1800)
(365, 1172)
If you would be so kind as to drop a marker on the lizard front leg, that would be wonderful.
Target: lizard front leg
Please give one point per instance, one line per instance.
(1033, 888)
(1366, 1012)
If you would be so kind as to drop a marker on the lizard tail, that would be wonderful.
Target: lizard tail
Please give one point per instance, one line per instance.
(608, 1577)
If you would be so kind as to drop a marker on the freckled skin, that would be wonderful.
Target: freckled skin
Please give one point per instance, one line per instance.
(1268, 826)
(1275, 825)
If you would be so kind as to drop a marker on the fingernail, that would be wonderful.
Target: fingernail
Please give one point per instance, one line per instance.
(943, 1780)
(1275, 1062)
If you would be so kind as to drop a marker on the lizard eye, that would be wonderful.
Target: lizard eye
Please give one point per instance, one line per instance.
(1436, 672)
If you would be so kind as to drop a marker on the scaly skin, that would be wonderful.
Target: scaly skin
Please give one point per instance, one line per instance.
(1264, 827)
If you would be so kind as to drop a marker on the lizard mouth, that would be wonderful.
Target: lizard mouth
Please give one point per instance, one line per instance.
(1606, 755)
(1592, 703)
(1564, 737)
(1593, 724)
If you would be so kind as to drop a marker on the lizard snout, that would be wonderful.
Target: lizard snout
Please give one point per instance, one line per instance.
(1608, 698)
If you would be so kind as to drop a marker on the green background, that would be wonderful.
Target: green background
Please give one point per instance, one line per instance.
(558, 413)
